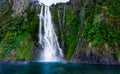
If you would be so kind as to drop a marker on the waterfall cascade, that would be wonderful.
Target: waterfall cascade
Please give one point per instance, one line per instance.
(47, 37)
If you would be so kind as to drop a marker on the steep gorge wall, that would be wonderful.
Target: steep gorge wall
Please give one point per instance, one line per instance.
(88, 30)
(90, 33)
(15, 37)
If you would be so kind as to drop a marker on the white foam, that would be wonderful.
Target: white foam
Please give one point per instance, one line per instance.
(51, 2)
(47, 38)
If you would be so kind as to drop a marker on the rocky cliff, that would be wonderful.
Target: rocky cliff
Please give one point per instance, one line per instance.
(88, 30)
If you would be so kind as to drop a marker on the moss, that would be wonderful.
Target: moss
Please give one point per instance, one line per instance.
(71, 32)
(15, 34)
(24, 50)
(15, 40)
(32, 21)
(100, 36)
(70, 50)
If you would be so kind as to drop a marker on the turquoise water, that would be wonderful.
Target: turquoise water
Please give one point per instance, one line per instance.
(56, 68)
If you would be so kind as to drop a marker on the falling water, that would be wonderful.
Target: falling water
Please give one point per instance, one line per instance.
(61, 19)
(47, 37)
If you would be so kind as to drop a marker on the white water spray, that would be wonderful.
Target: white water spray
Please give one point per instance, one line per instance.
(51, 2)
(47, 37)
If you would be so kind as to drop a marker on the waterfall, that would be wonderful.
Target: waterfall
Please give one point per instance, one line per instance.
(61, 19)
(51, 50)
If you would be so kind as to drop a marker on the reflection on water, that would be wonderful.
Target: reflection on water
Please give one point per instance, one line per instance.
(56, 68)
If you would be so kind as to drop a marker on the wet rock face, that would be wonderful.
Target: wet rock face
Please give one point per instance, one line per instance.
(96, 58)
(2, 2)
(19, 5)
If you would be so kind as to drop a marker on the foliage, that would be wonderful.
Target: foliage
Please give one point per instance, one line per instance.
(15, 37)
(99, 32)
(32, 20)
(72, 27)
(101, 26)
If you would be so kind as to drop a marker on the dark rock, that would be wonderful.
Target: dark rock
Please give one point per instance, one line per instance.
(95, 58)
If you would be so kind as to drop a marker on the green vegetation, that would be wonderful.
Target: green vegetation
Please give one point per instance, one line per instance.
(16, 33)
(71, 34)
(101, 28)
(90, 25)
(32, 20)
(104, 29)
